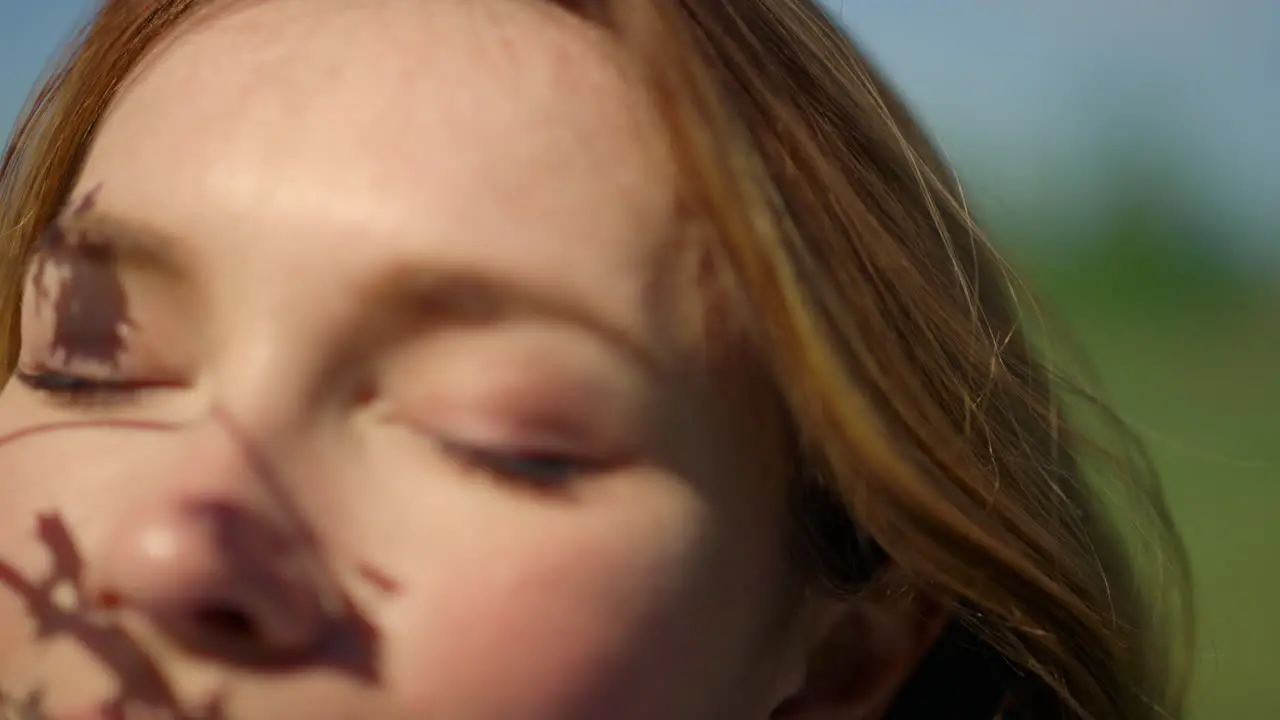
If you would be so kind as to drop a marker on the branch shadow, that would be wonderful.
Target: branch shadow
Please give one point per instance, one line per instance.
(77, 274)
(352, 649)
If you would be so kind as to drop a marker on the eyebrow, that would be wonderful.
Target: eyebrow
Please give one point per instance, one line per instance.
(469, 297)
(100, 237)
(436, 296)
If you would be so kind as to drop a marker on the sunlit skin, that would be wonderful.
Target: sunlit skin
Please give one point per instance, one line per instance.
(405, 381)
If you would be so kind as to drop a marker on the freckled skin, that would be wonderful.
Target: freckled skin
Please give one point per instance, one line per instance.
(291, 153)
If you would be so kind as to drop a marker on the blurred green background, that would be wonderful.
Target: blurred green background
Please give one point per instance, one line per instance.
(1127, 157)
(1186, 340)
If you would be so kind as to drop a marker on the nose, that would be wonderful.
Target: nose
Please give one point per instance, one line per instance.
(215, 577)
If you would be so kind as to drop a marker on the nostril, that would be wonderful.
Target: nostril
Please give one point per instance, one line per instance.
(108, 599)
(227, 622)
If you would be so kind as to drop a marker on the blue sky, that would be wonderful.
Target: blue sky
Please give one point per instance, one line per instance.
(1020, 88)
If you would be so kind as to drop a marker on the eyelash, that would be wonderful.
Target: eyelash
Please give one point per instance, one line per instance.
(78, 389)
(521, 465)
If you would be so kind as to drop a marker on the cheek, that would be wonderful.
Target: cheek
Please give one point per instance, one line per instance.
(590, 610)
(41, 474)
(50, 463)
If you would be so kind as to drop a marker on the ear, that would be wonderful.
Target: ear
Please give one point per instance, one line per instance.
(862, 652)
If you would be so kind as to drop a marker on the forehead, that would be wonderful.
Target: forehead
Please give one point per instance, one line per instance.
(502, 132)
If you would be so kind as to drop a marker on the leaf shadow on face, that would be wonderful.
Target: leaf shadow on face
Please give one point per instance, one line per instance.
(75, 275)
(91, 314)
(107, 642)
(352, 648)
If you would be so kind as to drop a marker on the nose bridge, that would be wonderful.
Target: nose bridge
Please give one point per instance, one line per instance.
(223, 455)
(259, 381)
(280, 363)
(285, 337)
(254, 454)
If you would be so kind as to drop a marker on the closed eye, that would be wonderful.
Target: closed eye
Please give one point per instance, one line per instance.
(534, 467)
(78, 389)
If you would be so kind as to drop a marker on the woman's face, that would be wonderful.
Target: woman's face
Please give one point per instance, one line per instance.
(364, 377)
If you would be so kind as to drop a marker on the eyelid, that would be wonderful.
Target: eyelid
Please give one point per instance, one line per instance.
(531, 422)
(486, 432)
(530, 466)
